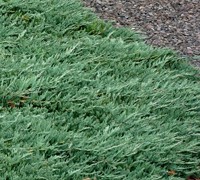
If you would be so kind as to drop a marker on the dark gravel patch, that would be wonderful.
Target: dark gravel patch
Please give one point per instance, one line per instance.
(167, 23)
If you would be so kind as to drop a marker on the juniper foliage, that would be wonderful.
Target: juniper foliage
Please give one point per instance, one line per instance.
(80, 98)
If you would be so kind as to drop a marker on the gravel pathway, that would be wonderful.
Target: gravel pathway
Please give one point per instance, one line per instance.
(167, 23)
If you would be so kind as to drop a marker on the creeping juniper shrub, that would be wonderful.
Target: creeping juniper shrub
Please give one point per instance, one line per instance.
(82, 99)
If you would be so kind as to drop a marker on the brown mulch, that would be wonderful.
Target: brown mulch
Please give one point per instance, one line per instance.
(167, 23)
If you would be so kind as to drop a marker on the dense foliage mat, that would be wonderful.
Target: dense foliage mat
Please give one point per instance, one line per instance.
(81, 99)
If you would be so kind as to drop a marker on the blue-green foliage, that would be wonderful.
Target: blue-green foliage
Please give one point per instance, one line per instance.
(79, 98)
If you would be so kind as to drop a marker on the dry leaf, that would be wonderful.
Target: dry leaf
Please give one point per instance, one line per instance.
(11, 104)
(171, 172)
(192, 178)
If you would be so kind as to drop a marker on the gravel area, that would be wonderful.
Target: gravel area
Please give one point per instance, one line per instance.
(167, 23)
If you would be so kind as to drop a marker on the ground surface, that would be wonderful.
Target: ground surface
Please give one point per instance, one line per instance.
(167, 23)
(83, 100)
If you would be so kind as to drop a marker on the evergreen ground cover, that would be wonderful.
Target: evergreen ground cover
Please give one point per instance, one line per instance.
(80, 98)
